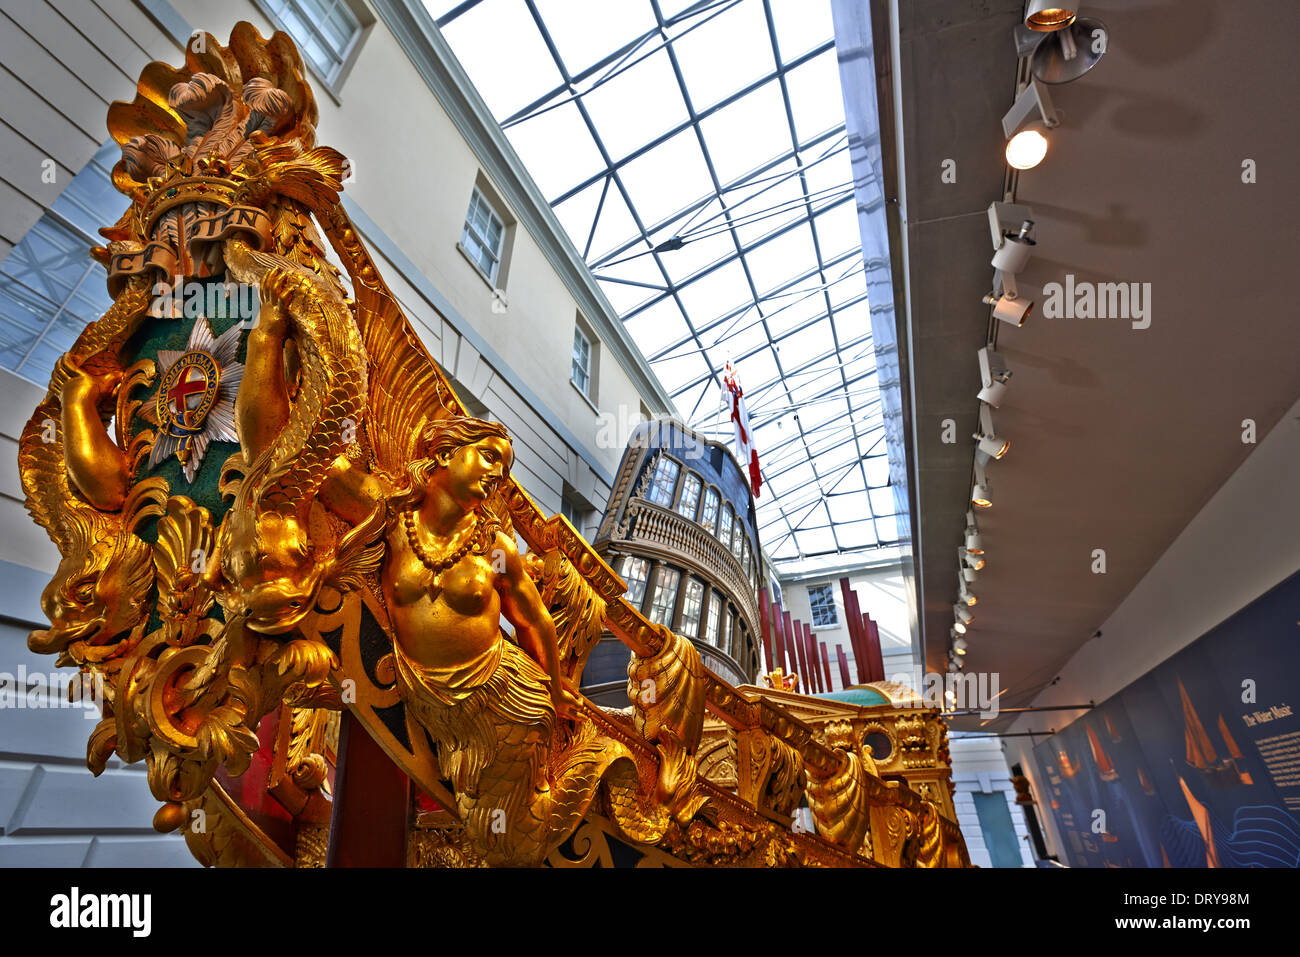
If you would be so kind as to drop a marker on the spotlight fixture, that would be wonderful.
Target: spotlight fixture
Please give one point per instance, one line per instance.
(1013, 255)
(959, 627)
(974, 544)
(1005, 219)
(963, 614)
(959, 645)
(1010, 308)
(1010, 227)
(1044, 16)
(994, 375)
(1068, 54)
(993, 446)
(957, 664)
(968, 564)
(989, 445)
(1023, 125)
(979, 494)
(966, 596)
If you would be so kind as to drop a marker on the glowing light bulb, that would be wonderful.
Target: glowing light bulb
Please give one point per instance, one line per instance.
(1026, 149)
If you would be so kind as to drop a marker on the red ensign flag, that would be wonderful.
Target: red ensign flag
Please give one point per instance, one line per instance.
(740, 419)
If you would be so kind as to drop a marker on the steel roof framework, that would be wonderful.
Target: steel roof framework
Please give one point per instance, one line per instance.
(815, 414)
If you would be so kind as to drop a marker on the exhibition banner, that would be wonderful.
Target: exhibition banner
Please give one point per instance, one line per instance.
(1195, 764)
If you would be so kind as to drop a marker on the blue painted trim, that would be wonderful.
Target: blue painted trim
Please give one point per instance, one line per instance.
(863, 697)
(169, 21)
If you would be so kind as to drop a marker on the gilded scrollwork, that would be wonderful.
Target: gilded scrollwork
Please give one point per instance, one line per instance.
(840, 802)
(220, 834)
(770, 773)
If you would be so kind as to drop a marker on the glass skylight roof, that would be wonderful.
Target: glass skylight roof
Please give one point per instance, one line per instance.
(696, 154)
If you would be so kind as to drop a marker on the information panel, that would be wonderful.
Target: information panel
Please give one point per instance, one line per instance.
(1195, 764)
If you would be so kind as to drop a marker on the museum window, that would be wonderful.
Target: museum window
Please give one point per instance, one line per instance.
(692, 605)
(584, 366)
(483, 238)
(690, 498)
(714, 619)
(635, 572)
(709, 513)
(725, 529)
(665, 600)
(49, 288)
(724, 639)
(328, 33)
(738, 541)
(663, 485)
(581, 372)
(822, 601)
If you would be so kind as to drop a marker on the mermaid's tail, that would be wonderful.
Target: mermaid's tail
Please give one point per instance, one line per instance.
(518, 794)
(518, 821)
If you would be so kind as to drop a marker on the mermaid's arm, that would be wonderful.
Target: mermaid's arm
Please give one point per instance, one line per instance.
(95, 463)
(523, 608)
(262, 405)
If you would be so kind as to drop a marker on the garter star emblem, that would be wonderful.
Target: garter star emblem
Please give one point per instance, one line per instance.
(195, 402)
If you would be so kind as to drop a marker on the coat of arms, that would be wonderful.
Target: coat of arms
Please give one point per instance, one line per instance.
(195, 401)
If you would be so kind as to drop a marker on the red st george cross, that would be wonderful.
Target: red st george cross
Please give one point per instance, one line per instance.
(184, 388)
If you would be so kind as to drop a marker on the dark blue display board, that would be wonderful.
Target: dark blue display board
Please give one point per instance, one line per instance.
(1195, 764)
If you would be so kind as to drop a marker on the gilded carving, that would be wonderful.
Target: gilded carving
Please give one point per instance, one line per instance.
(293, 512)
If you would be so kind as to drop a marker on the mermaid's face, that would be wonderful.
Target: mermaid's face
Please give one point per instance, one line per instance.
(474, 471)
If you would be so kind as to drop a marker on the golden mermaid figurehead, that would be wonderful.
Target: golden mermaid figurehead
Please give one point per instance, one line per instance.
(495, 704)
(454, 570)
